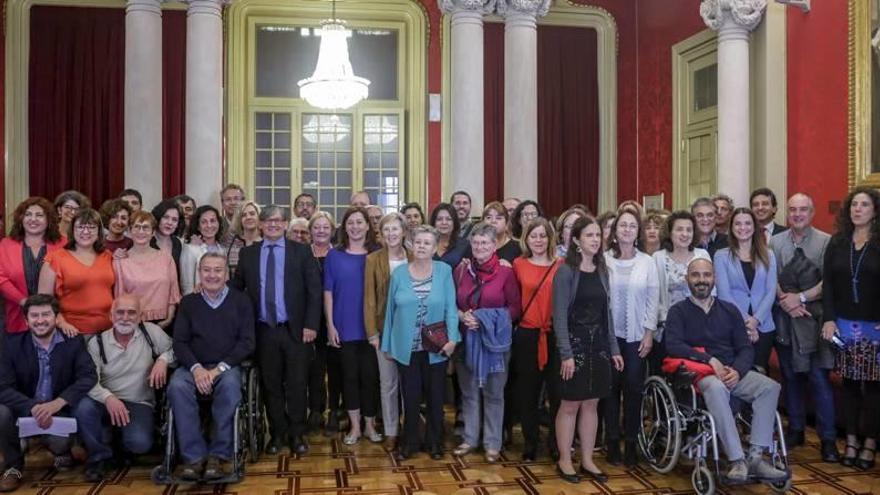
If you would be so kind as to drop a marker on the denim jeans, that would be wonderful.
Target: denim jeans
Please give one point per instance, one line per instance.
(226, 397)
(793, 391)
(492, 396)
(94, 428)
(754, 388)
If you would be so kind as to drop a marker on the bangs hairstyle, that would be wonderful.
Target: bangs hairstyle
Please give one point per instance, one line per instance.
(197, 216)
(456, 224)
(16, 232)
(236, 222)
(845, 226)
(86, 216)
(758, 247)
(551, 237)
(498, 208)
(560, 221)
(326, 216)
(680, 215)
(111, 207)
(614, 245)
(573, 255)
(162, 208)
(391, 217)
(142, 216)
(344, 241)
(77, 197)
(413, 206)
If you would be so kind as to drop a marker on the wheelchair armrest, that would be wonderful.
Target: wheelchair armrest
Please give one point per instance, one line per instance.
(247, 364)
(682, 378)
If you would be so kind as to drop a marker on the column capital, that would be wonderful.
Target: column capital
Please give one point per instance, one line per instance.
(471, 6)
(744, 14)
(148, 6)
(210, 7)
(531, 8)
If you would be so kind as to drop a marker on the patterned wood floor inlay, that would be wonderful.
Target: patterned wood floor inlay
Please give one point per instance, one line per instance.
(366, 469)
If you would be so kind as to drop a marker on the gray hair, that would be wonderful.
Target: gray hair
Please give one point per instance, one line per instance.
(485, 229)
(271, 210)
(703, 201)
(425, 229)
(211, 255)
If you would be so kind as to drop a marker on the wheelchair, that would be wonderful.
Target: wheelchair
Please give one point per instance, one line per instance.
(249, 431)
(675, 422)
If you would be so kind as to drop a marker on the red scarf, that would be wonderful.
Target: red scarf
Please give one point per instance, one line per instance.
(481, 274)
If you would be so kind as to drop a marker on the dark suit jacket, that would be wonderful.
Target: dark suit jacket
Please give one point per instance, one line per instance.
(302, 284)
(73, 372)
(778, 228)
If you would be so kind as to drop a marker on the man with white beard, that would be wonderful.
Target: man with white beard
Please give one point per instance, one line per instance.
(132, 359)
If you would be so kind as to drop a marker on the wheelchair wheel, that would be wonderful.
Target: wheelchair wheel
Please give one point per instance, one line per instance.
(781, 486)
(255, 422)
(702, 479)
(659, 433)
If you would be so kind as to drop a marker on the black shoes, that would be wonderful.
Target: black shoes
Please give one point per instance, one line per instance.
(436, 452)
(630, 454)
(94, 472)
(529, 454)
(191, 472)
(794, 438)
(332, 426)
(850, 460)
(571, 478)
(612, 452)
(213, 469)
(864, 462)
(315, 420)
(598, 476)
(273, 447)
(829, 451)
(300, 446)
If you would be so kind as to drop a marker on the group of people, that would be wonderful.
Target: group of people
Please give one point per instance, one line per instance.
(358, 328)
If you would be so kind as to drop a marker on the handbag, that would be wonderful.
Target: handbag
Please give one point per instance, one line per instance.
(434, 337)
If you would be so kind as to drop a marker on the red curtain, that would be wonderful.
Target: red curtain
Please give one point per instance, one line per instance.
(568, 118)
(173, 102)
(493, 111)
(76, 101)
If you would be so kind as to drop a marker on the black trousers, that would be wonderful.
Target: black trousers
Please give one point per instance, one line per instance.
(860, 401)
(284, 367)
(420, 382)
(629, 382)
(763, 348)
(334, 378)
(530, 380)
(360, 373)
(317, 384)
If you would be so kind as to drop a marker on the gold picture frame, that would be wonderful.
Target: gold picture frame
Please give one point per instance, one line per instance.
(864, 164)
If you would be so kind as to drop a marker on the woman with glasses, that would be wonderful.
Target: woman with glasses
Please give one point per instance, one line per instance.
(524, 213)
(745, 275)
(635, 293)
(205, 232)
(81, 277)
(67, 204)
(33, 235)
(148, 273)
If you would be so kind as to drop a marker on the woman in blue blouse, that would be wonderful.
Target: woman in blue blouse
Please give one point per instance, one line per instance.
(745, 275)
(344, 282)
(421, 294)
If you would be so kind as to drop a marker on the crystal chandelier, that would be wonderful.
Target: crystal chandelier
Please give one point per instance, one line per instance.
(333, 85)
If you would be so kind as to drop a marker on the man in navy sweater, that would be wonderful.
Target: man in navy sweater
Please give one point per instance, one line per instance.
(711, 331)
(213, 334)
(43, 374)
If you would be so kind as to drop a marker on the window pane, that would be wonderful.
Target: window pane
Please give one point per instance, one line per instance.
(381, 159)
(282, 197)
(328, 169)
(272, 158)
(282, 178)
(282, 140)
(264, 140)
(706, 87)
(264, 178)
(264, 159)
(263, 121)
(264, 196)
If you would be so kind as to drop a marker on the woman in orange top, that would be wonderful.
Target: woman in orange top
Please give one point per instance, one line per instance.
(81, 277)
(534, 357)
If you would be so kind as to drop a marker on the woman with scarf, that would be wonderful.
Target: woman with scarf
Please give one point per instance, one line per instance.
(488, 301)
(534, 357)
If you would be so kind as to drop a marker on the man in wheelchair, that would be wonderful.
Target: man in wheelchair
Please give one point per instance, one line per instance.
(711, 332)
(132, 359)
(213, 334)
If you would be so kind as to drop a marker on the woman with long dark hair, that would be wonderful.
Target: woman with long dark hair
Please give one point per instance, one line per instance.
(524, 213)
(851, 310)
(587, 346)
(451, 248)
(204, 234)
(169, 228)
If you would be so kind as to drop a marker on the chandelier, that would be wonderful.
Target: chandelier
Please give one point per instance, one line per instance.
(333, 85)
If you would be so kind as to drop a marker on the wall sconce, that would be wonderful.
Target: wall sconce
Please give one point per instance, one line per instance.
(803, 4)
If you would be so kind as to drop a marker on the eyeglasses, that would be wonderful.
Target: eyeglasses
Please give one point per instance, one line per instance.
(275, 221)
(87, 228)
(529, 215)
(69, 208)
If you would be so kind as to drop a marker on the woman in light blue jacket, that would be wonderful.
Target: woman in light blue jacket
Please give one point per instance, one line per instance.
(745, 275)
(421, 294)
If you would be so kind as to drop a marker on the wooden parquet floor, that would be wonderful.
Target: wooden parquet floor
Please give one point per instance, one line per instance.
(366, 469)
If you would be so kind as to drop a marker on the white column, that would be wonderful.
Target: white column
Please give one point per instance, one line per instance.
(521, 95)
(143, 98)
(466, 95)
(733, 20)
(204, 100)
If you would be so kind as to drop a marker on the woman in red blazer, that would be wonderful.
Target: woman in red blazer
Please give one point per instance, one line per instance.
(34, 233)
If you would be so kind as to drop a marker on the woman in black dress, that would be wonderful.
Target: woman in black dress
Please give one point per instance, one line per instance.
(587, 346)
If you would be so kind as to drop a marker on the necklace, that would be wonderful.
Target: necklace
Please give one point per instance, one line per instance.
(855, 270)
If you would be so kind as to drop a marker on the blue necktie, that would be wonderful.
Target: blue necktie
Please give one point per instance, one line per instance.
(269, 294)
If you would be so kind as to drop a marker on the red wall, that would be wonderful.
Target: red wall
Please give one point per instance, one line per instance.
(3, 109)
(817, 106)
(661, 24)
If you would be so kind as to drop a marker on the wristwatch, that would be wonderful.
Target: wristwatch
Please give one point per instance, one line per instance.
(223, 367)
(803, 298)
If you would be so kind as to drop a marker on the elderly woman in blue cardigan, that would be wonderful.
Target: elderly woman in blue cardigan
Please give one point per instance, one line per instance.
(421, 294)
